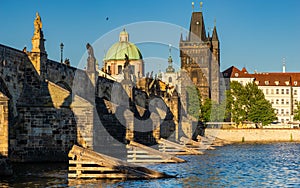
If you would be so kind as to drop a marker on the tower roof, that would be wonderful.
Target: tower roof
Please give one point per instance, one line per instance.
(118, 50)
(197, 28)
(215, 35)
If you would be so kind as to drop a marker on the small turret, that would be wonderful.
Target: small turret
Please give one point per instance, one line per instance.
(215, 43)
(215, 35)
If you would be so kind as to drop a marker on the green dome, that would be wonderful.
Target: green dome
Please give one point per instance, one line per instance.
(119, 49)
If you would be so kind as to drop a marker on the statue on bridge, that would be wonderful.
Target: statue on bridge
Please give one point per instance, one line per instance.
(126, 70)
(37, 23)
(91, 60)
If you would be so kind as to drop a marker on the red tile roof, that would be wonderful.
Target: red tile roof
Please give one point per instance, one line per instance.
(265, 79)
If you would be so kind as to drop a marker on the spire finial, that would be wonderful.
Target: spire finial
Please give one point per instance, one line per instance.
(170, 46)
(193, 6)
(215, 22)
(283, 65)
(201, 5)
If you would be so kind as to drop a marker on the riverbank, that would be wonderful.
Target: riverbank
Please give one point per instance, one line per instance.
(255, 135)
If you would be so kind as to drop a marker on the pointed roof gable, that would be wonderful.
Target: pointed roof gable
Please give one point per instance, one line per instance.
(233, 72)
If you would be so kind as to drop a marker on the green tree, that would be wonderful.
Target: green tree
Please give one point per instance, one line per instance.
(212, 111)
(262, 112)
(193, 101)
(236, 102)
(248, 103)
(205, 110)
(297, 112)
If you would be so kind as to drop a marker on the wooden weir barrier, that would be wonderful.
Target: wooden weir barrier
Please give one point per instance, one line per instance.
(173, 148)
(138, 153)
(215, 140)
(85, 163)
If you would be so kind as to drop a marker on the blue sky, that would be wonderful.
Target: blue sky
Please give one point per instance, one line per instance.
(256, 34)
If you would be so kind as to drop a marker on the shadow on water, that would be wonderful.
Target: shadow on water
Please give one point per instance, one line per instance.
(37, 175)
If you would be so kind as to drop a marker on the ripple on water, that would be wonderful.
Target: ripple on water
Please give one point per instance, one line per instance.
(241, 165)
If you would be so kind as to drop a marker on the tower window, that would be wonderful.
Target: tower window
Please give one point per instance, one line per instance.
(170, 79)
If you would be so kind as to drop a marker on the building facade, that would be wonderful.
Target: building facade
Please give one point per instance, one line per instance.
(281, 89)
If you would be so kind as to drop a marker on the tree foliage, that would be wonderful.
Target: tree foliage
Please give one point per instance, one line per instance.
(193, 101)
(248, 103)
(297, 112)
(205, 111)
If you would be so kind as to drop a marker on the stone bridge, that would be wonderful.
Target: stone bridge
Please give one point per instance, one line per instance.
(47, 106)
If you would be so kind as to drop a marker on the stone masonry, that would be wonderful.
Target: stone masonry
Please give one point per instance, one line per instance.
(47, 106)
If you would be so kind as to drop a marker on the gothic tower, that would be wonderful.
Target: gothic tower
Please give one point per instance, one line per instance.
(200, 58)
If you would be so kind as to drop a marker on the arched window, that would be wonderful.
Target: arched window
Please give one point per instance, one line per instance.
(170, 79)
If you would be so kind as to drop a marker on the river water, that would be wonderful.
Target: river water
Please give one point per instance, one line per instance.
(238, 165)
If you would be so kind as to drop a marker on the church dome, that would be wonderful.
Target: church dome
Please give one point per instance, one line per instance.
(118, 50)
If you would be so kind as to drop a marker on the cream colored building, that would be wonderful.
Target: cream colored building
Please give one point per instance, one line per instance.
(280, 88)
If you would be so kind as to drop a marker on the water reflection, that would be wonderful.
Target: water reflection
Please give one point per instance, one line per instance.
(242, 165)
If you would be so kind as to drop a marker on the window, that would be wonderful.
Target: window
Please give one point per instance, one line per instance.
(287, 120)
(282, 111)
(272, 91)
(282, 120)
(287, 112)
(108, 69)
(282, 101)
(287, 101)
(282, 91)
(119, 69)
(287, 91)
(272, 101)
(277, 101)
(295, 83)
(277, 91)
(267, 91)
(267, 82)
(295, 101)
(170, 79)
(295, 92)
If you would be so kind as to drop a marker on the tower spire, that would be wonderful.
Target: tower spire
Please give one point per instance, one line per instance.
(283, 65)
(193, 6)
(215, 34)
(201, 5)
(170, 68)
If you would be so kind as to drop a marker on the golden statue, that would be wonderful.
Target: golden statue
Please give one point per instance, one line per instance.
(38, 23)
